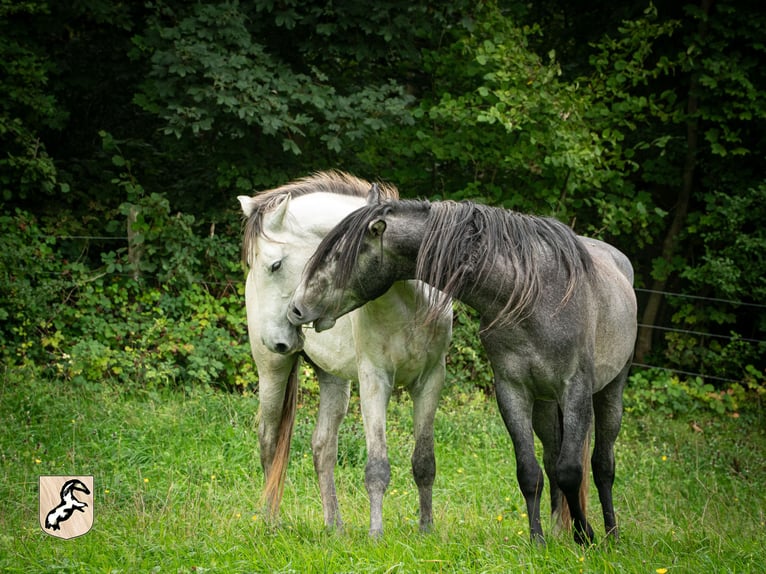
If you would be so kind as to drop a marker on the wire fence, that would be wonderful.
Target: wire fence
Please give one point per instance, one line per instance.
(701, 298)
(697, 333)
(733, 303)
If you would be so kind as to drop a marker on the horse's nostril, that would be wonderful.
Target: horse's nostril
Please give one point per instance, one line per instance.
(281, 348)
(297, 312)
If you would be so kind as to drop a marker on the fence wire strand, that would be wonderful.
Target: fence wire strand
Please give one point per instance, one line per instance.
(700, 333)
(701, 298)
(687, 373)
(637, 289)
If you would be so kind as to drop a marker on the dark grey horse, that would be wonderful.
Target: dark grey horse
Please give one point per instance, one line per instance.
(558, 316)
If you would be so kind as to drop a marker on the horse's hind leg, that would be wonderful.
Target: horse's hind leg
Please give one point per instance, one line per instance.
(425, 400)
(577, 416)
(275, 424)
(333, 404)
(607, 406)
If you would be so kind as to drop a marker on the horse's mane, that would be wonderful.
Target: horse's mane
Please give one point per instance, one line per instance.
(331, 181)
(346, 239)
(461, 242)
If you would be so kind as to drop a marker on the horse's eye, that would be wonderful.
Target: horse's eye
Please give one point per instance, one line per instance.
(276, 265)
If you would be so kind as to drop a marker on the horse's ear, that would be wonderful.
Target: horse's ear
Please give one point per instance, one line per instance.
(274, 220)
(377, 227)
(247, 203)
(373, 196)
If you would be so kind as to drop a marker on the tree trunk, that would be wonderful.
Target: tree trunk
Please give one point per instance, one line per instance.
(649, 317)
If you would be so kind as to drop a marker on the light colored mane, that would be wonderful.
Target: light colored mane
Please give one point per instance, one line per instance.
(331, 181)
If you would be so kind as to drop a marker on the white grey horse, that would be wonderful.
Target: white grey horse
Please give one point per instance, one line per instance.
(379, 345)
(558, 316)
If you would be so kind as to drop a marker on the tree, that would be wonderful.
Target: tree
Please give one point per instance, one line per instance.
(26, 106)
(687, 96)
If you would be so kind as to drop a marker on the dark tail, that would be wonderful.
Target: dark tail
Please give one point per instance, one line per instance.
(275, 482)
(566, 515)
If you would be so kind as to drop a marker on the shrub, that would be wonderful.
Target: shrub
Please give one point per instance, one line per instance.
(468, 368)
(664, 392)
(183, 324)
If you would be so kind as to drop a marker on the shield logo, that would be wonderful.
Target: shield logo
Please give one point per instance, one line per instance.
(66, 505)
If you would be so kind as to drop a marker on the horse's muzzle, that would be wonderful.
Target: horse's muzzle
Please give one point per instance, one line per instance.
(298, 317)
(323, 324)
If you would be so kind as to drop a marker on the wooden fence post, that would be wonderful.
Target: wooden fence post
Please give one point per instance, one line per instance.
(134, 249)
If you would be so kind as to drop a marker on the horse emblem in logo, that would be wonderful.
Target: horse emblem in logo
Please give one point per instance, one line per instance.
(66, 505)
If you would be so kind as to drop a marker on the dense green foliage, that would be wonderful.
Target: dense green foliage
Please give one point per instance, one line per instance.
(127, 129)
(177, 478)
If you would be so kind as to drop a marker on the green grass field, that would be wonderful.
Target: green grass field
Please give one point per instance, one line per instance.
(177, 485)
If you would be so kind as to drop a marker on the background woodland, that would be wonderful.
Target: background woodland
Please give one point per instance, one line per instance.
(127, 129)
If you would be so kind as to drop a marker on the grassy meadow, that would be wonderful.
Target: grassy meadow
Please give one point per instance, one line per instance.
(177, 484)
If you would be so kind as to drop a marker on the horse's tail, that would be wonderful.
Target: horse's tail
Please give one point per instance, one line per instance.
(275, 482)
(565, 520)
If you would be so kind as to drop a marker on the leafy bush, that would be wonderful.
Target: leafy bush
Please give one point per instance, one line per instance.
(467, 364)
(34, 281)
(664, 392)
(182, 322)
(158, 339)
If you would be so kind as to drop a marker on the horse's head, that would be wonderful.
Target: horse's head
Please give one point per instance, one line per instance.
(357, 262)
(271, 279)
(279, 246)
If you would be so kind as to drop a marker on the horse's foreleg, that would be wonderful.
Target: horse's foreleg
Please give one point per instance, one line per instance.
(333, 404)
(547, 425)
(516, 409)
(607, 406)
(577, 416)
(274, 428)
(374, 392)
(425, 401)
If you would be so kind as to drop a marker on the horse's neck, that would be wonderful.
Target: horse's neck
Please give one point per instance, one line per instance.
(497, 288)
(406, 239)
(488, 289)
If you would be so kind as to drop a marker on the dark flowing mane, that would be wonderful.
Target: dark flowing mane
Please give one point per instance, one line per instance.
(345, 241)
(331, 181)
(461, 242)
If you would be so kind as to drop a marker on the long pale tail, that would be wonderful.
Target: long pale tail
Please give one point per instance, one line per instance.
(275, 482)
(566, 516)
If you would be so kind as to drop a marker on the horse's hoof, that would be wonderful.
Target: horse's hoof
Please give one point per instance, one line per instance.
(537, 539)
(335, 527)
(376, 534)
(586, 537)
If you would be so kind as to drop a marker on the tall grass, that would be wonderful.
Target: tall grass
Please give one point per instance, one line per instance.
(178, 480)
